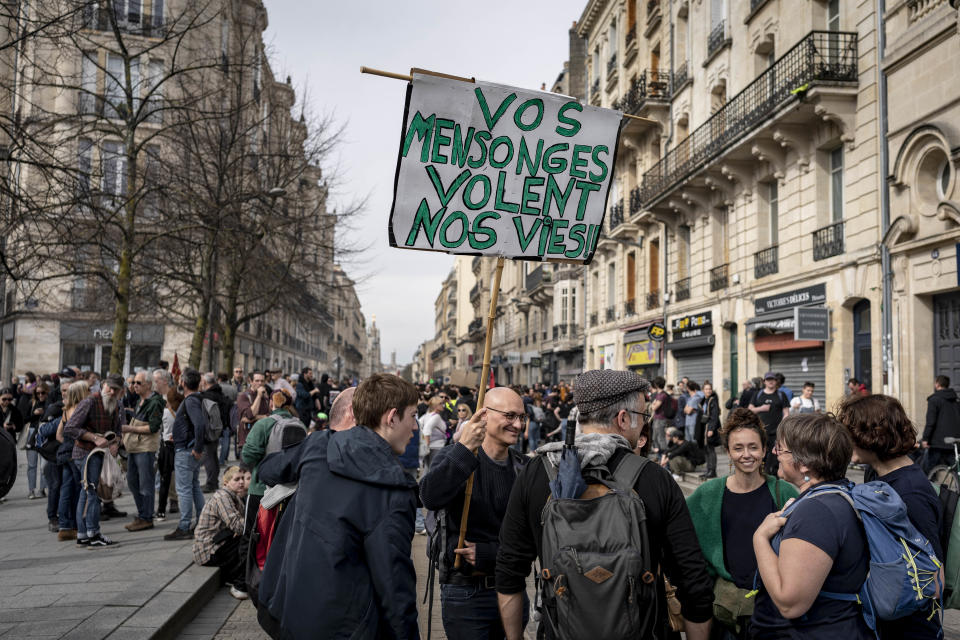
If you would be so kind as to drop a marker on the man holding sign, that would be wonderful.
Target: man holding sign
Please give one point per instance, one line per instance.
(490, 169)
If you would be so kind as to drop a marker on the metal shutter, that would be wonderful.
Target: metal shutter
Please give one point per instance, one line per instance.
(790, 364)
(696, 364)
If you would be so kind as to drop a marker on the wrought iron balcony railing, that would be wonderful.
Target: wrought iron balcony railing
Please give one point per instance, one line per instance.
(616, 214)
(680, 75)
(828, 241)
(630, 307)
(765, 262)
(636, 204)
(717, 37)
(719, 278)
(820, 57)
(593, 319)
(682, 289)
(651, 85)
(653, 299)
(611, 314)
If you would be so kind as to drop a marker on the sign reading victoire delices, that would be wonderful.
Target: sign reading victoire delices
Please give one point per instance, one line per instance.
(494, 170)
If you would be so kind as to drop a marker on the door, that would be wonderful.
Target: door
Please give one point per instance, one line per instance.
(802, 365)
(862, 351)
(946, 336)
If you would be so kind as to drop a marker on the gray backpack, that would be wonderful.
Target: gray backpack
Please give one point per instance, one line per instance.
(597, 579)
(285, 432)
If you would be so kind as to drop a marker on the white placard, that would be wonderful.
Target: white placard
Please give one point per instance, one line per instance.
(489, 169)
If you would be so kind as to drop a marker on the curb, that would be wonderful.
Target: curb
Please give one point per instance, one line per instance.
(172, 608)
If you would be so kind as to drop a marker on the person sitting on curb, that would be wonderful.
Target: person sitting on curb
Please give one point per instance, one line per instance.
(216, 540)
(682, 456)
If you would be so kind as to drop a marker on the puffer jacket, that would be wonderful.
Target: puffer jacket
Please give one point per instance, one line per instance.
(340, 564)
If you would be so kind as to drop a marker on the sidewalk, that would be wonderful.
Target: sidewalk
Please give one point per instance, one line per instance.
(141, 588)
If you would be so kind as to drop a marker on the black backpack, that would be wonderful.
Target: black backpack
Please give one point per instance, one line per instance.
(8, 462)
(670, 407)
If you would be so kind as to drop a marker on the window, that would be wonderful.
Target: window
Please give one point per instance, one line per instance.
(224, 43)
(563, 305)
(116, 86)
(88, 83)
(596, 290)
(773, 211)
(573, 305)
(114, 169)
(631, 276)
(611, 284)
(833, 15)
(683, 255)
(84, 167)
(154, 91)
(836, 185)
(157, 13)
(256, 75)
(654, 270)
(943, 180)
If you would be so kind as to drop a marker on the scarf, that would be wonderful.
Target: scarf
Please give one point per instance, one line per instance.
(593, 449)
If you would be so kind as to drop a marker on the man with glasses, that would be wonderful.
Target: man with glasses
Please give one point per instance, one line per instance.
(141, 438)
(10, 416)
(469, 601)
(239, 381)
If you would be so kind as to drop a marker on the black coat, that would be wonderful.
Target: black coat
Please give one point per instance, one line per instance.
(340, 564)
(943, 418)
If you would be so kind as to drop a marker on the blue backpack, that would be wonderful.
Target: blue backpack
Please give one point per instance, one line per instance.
(904, 575)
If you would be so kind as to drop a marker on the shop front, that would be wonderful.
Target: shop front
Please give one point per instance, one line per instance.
(641, 353)
(691, 344)
(88, 346)
(791, 330)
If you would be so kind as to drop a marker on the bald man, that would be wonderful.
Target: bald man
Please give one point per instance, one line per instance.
(467, 594)
(341, 413)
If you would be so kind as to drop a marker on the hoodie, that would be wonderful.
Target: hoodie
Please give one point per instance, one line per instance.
(340, 564)
(943, 418)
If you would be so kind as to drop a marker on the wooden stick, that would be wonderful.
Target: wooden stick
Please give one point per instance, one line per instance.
(409, 77)
(484, 376)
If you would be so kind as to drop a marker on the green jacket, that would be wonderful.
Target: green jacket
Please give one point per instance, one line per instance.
(705, 506)
(151, 411)
(256, 446)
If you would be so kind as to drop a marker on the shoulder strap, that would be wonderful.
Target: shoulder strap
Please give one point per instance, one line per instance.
(517, 459)
(550, 469)
(628, 471)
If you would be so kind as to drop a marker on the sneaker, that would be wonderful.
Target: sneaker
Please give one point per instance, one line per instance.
(238, 594)
(67, 534)
(178, 534)
(421, 532)
(100, 541)
(82, 542)
(140, 524)
(32, 496)
(161, 516)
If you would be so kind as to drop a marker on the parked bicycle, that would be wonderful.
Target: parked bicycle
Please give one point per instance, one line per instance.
(948, 475)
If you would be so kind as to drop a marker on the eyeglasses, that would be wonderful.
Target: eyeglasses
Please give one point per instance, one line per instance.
(777, 450)
(6, 399)
(138, 382)
(511, 416)
(646, 416)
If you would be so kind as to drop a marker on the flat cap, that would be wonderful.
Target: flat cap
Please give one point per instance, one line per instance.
(114, 380)
(601, 388)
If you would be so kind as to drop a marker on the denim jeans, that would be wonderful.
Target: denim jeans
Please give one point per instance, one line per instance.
(69, 495)
(51, 473)
(141, 478)
(563, 429)
(187, 471)
(88, 507)
(34, 459)
(471, 613)
(534, 429)
(224, 446)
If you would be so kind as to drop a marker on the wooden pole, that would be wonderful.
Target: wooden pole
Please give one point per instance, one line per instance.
(484, 377)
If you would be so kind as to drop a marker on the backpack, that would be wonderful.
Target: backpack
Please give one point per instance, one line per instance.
(898, 584)
(285, 432)
(670, 407)
(261, 539)
(950, 543)
(214, 423)
(596, 558)
(46, 440)
(8, 461)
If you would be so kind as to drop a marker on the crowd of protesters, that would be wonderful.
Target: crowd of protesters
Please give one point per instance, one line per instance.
(330, 487)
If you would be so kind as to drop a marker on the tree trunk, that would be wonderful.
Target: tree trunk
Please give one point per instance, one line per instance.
(232, 322)
(229, 335)
(121, 319)
(196, 345)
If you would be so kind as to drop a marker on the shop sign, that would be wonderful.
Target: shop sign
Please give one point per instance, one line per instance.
(774, 324)
(657, 332)
(694, 326)
(811, 323)
(535, 363)
(816, 294)
(89, 332)
(643, 353)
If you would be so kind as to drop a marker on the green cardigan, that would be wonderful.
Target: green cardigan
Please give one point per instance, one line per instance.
(705, 506)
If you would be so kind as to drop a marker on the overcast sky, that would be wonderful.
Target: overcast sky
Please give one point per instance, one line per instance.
(323, 44)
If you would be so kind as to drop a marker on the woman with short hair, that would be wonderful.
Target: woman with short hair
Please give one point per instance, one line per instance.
(434, 429)
(725, 513)
(216, 539)
(882, 437)
(822, 545)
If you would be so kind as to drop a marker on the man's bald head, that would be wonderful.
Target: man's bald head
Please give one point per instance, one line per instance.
(341, 413)
(506, 417)
(504, 399)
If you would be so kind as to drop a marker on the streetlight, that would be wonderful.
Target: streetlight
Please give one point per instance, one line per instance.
(273, 194)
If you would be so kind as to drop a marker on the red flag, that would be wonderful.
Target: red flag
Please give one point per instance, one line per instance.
(493, 382)
(175, 369)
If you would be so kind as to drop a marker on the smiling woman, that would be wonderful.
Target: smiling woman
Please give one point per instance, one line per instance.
(726, 511)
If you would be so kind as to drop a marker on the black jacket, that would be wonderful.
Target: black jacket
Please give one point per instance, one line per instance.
(674, 547)
(215, 393)
(943, 418)
(340, 564)
(710, 421)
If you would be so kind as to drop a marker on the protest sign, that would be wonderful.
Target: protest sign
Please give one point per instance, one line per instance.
(488, 169)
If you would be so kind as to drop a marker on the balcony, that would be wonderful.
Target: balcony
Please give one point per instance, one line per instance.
(828, 241)
(437, 353)
(717, 38)
(612, 67)
(653, 16)
(537, 278)
(475, 265)
(821, 57)
(611, 314)
(475, 326)
(593, 319)
(682, 289)
(718, 277)
(651, 85)
(636, 205)
(595, 91)
(681, 74)
(616, 214)
(653, 299)
(630, 308)
(765, 262)
(475, 292)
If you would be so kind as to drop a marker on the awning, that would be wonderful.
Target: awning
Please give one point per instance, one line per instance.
(693, 343)
(778, 321)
